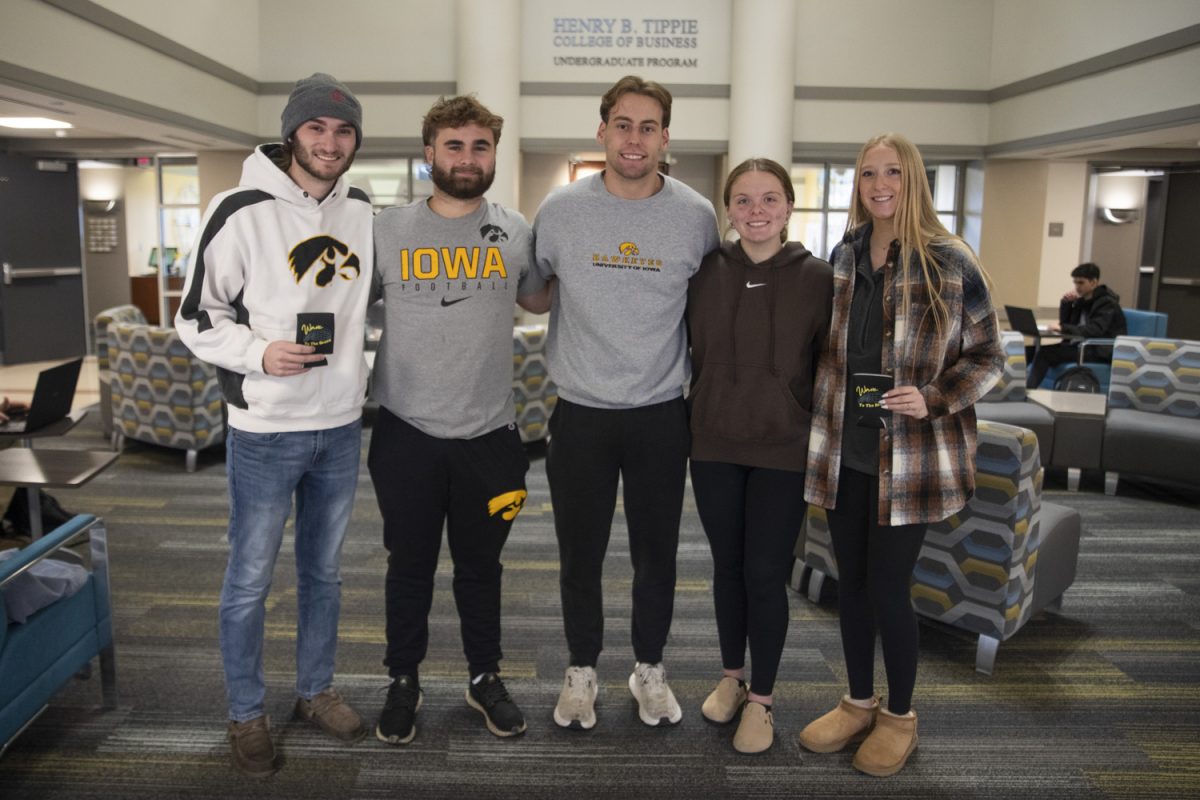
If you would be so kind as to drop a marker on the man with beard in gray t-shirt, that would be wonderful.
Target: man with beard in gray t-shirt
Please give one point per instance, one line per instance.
(445, 448)
(622, 245)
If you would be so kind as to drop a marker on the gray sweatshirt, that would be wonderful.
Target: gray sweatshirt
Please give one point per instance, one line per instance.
(617, 337)
(445, 360)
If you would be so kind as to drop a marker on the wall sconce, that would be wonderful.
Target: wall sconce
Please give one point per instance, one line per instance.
(1117, 216)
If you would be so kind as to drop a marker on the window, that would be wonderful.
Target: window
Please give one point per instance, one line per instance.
(824, 193)
(391, 181)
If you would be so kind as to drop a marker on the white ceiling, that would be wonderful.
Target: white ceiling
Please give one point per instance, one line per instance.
(97, 132)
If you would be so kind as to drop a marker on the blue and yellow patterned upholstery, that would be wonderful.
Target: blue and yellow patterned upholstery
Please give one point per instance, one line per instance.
(1153, 423)
(102, 322)
(162, 394)
(976, 569)
(1011, 385)
(534, 394)
(979, 569)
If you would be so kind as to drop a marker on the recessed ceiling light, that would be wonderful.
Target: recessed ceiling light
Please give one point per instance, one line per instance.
(33, 123)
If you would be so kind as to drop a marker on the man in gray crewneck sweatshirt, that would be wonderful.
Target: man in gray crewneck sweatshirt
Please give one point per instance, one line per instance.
(622, 245)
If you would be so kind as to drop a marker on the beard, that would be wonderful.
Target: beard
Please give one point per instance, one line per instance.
(320, 170)
(466, 185)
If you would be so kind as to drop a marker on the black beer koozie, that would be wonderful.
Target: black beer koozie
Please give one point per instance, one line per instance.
(866, 391)
(316, 329)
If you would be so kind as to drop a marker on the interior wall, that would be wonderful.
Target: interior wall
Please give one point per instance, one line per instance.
(1065, 199)
(1011, 236)
(227, 31)
(218, 170)
(106, 275)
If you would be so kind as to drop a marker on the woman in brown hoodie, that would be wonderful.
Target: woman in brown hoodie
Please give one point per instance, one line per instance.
(758, 316)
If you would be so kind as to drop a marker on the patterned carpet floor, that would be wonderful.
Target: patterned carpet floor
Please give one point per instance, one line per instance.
(1101, 701)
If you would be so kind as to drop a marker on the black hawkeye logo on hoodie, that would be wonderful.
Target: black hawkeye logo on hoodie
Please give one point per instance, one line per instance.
(330, 256)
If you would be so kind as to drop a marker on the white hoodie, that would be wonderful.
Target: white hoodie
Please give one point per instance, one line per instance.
(266, 252)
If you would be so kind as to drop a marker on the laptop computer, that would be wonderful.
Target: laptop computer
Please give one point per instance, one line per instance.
(1022, 320)
(52, 398)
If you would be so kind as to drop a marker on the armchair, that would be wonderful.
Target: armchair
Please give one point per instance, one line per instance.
(38, 656)
(1152, 424)
(1137, 323)
(995, 564)
(162, 394)
(102, 322)
(534, 394)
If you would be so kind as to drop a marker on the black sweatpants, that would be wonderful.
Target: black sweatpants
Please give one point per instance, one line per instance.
(752, 517)
(590, 448)
(875, 564)
(476, 487)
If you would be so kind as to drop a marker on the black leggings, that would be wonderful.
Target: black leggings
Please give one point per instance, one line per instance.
(752, 518)
(875, 565)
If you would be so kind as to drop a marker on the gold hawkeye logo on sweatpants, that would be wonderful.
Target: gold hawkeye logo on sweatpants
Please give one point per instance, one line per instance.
(507, 505)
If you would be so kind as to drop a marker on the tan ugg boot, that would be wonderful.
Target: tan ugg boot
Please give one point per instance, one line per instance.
(887, 749)
(845, 724)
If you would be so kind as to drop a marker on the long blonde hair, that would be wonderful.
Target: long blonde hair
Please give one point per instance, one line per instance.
(916, 224)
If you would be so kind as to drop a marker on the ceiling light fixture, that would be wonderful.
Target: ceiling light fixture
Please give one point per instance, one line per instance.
(33, 123)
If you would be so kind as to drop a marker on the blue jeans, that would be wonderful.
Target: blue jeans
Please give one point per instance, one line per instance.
(265, 470)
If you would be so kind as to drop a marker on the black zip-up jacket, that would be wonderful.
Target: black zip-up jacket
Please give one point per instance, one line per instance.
(1098, 318)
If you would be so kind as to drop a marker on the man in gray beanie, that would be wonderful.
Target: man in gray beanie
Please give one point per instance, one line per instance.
(276, 298)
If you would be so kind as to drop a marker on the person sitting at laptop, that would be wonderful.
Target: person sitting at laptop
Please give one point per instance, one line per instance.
(1090, 311)
(9, 408)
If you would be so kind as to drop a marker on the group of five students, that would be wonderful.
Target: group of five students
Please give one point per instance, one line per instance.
(630, 265)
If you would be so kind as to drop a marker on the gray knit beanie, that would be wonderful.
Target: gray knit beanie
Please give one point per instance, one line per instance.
(321, 95)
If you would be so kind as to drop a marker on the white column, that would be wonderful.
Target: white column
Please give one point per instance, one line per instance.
(488, 65)
(762, 80)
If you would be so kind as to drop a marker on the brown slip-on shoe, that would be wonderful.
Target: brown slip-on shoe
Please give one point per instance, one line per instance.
(845, 724)
(722, 705)
(332, 714)
(756, 731)
(252, 749)
(886, 750)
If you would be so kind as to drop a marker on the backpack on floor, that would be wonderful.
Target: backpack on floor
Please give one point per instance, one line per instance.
(1078, 379)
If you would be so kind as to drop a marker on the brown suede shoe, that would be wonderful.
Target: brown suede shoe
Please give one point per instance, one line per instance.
(756, 731)
(253, 750)
(845, 724)
(722, 705)
(332, 714)
(886, 750)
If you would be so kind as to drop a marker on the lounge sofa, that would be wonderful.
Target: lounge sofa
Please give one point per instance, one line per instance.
(1006, 402)
(992, 566)
(1152, 425)
(41, 654)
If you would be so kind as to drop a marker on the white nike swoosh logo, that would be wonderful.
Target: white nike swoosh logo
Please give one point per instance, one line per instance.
(750, 285)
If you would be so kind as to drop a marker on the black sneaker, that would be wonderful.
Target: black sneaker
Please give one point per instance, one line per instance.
(490, 698)
(398, 720)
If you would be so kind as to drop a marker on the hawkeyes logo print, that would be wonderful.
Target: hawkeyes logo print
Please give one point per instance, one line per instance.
(628, 249)
(493, 233)
(507, 505)
(327, 256)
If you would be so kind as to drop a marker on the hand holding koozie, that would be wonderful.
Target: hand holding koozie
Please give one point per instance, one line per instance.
(316, 329)
(866, 392)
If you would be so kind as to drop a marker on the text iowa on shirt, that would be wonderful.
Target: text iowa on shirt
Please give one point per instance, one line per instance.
(452, 263)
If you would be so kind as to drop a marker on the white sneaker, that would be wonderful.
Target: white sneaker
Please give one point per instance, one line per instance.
(577, 701)
(656, 701)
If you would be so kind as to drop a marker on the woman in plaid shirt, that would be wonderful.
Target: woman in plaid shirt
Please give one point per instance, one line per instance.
(910, 301)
